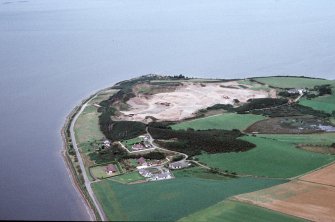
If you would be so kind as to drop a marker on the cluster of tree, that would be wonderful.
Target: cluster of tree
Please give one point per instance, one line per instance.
(151, 156)
(123, 130)
(193, 142)
(290, 110)
(323, 89)
(116, 153)
(180, 76)
(260, 103)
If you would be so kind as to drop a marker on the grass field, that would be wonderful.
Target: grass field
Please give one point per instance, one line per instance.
(198, 172)
(293, 82)
(227, 121)
(103, 96)
(87, 126)
(128, 177)
(324, 139)
(270, 158)
(171, 199)
(99, 172)
(234, 211)
(317, 105)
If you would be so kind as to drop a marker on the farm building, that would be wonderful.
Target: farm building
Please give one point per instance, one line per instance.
(138, 146)
(179, 165)
(141, 161)
(145, 173)
(161, 176)
(110, 169)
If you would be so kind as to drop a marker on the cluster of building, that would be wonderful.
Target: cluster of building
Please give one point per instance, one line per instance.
(179, 165)
(162, 174)
(142, 163)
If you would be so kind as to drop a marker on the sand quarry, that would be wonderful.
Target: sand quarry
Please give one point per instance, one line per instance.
(187, 99)
(310, 197)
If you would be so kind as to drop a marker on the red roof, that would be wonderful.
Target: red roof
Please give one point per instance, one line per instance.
(141, 160)
(111, 167)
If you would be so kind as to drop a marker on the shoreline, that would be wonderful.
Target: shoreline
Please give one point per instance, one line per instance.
(90, 208)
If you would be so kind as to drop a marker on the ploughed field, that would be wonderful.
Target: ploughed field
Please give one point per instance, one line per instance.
(249, 142)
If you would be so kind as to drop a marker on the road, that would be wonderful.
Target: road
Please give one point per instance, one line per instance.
(82, 167)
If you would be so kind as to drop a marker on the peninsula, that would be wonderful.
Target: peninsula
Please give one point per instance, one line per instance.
(174, 148)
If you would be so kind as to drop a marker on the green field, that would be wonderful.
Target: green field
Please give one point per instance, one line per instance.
(293, 82)
(324, 103)
(198, 172)
(324, 139)
(170, 200)
(87, 126)
(270, 158)
(128, 177)
(234, 211)
(227, 121)
(103, 96)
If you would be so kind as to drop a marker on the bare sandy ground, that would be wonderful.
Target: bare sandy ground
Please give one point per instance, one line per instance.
(311, 197)
(323, 176)
(187, 99)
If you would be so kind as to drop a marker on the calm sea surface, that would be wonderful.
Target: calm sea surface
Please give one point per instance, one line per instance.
(53, 53)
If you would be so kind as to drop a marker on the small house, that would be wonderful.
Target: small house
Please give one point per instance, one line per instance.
(141, 161)
(110, 169)
(145, 173)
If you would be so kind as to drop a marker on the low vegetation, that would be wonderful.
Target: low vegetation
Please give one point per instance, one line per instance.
(226, 121)
(292, 82)
(167, 200)
(234, 211)
(270, 158)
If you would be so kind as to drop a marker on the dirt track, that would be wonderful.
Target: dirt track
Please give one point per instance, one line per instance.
(187, 99)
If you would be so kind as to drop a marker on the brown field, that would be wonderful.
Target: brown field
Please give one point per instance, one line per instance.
(311, 196)
(323, 176)
(187, 98)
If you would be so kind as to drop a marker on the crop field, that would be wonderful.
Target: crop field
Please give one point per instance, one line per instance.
(128, 178)
(227, 121)
(166, 200)
(235, 211)
(270, 158)
(293, 82)
(311, 201)
(87, 126)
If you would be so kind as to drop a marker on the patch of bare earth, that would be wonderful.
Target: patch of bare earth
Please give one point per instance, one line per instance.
(311, 197)
(186, 99)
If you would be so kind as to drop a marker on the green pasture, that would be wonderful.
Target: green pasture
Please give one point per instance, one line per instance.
(293, 82)
(128, 177)
(271, 158)
(327, 107)
(235, 211)
(87, 126)
(324, 139)
(198, 172)
(227, 121)
(170, 200)
(253, 85)
(104, 95)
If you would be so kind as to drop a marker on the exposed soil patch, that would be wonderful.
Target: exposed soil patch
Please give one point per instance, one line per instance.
(323, 176)
(298, 198)
(186, 99)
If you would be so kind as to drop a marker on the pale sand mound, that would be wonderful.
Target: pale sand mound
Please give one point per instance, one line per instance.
(187, 99)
